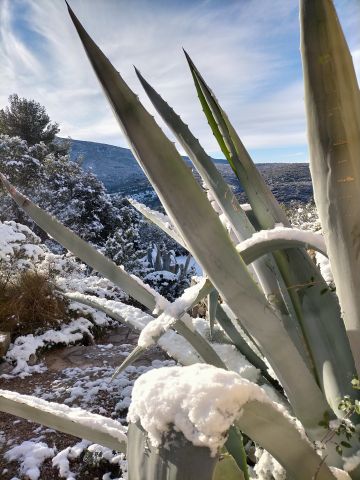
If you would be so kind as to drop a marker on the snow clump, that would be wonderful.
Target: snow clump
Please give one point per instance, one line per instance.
(200, 400)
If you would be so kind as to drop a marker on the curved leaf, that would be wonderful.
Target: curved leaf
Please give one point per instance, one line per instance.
(268, 241)
(159, 220)
(70, 420)
(266, 270)
(275, 431)
(333, 115)
(175, 459)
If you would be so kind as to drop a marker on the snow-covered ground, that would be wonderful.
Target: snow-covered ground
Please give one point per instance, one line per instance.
(81, 377)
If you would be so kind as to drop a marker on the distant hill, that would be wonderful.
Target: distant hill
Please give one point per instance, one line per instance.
(117, 168)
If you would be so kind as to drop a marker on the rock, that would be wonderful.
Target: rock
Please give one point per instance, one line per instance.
(32, 359)
(4, 343)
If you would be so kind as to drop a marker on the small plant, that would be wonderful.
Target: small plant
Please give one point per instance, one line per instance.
(341, 432)
(165, 274)
(30, 303)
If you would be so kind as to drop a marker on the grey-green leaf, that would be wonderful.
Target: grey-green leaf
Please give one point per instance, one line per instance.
(71, 420)
(333, 116)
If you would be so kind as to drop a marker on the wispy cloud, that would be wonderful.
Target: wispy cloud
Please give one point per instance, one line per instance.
(248, 51)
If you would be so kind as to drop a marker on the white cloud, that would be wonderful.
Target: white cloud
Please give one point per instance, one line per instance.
(247, 51)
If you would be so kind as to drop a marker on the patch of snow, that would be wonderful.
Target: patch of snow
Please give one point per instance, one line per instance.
(201, 401)
(26, 346)
(170, 315)
(280, 232)
(9, 239)
(61, 460)
(161, 275)
(246, 207)
(266, 467)
(31, 456)
(85, 387)
(350, 463)
(112, 457)
(340, 474)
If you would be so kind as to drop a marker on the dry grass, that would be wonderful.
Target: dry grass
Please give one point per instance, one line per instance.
(29, 303)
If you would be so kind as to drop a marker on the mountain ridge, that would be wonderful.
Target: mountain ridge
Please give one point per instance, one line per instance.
(118, 169)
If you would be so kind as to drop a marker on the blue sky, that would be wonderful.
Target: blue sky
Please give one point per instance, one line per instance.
(248, 50)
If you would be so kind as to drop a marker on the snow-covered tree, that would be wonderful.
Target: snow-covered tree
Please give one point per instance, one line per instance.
(28, 120)
(125, 246)
(75, 196)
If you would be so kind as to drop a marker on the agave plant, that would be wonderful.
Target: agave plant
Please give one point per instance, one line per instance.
(268, 302)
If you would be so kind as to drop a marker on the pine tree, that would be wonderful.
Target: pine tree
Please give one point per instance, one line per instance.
(28, 120)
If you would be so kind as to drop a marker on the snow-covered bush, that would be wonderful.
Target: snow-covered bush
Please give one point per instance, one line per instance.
(124, 245)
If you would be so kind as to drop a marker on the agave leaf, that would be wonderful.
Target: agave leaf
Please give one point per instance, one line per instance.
(267, 425)
(159, 220)
(201, 228)
(175, 459)
(70, 420)
(212, 302)
(235, 446)
(268, 241)
(227, 469)
(333, 115)
(239, 342)
(134, 355)
(262, 201)
(316, 308)
(203, 163)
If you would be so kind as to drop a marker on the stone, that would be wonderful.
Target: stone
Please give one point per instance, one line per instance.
(4, 343)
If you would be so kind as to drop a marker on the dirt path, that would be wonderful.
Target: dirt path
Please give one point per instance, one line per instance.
(76, 376)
